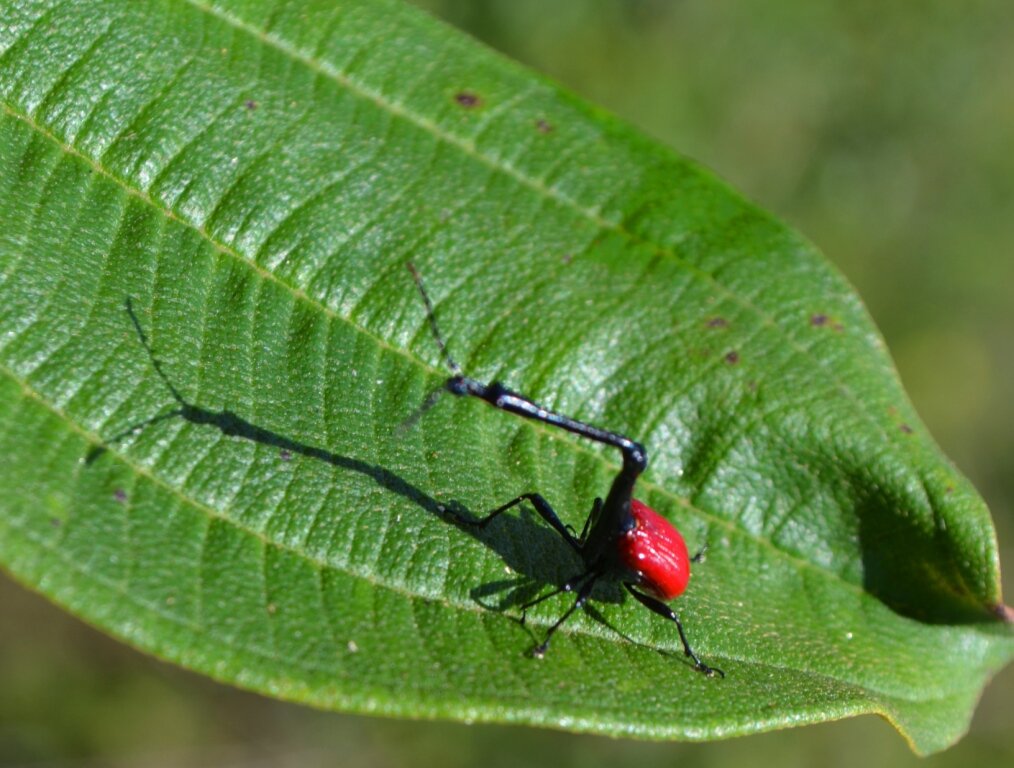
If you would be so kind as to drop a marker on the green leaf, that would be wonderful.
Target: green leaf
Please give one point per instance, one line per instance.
(251, 178)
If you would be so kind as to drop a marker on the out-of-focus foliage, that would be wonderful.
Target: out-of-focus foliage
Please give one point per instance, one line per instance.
(881, 134)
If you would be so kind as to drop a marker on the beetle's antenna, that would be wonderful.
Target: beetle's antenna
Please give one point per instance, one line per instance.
(418, 413)
(432, 317)
(434, 396)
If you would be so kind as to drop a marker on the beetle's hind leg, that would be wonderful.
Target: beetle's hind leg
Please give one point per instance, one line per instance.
(663, 610)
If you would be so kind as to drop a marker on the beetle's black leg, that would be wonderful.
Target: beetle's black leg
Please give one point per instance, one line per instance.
(569, 586)
(582, 597)
(593, 515)
(699, 557)
(666, 612)
(541, 506)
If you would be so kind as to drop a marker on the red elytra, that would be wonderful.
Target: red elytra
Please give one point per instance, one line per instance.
(655, 551)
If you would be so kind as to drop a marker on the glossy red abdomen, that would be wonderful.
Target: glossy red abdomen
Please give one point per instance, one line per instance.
(655, 551)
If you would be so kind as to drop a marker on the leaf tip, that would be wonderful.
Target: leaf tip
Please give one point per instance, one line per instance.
(1004, 612)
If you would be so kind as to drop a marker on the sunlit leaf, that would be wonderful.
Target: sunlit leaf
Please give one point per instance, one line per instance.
(238, 185)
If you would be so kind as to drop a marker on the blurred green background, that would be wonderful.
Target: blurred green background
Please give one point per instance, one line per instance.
(885, 133)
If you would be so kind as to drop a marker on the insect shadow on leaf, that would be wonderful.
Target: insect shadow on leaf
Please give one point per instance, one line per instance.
(531, 574)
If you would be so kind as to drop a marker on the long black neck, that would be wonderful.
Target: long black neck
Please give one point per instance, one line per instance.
(615, 516)
(497, 395)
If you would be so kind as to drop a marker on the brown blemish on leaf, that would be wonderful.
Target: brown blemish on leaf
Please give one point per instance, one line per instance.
(468, 100)
(120, 495)
(732, 357)
(250, 104)
(718, 322)
(285, 455)
(905, 428)
(567, 258)
(820, 320)
(543, 126)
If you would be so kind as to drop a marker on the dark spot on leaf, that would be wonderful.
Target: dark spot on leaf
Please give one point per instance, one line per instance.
(821, 320)
(120, 495)
(468, 100)
(543, 126)
(567, 258)
(905, 428)
(250, 104)
(55, 522)
(732, 357)
(718, 322)
(285, 455)
(949, 490)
